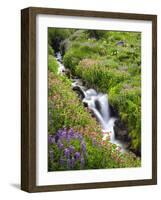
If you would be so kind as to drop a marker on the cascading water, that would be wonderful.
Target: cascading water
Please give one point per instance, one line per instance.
(96, 102)
(61, 68)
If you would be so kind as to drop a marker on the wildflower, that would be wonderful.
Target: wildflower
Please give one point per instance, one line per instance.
(68, 137)
(59, 132)
(71, 149)
(71, 132)
(77, 155)
(83, 147)
(80, 137)
(67, 153)
(62, 162)
(56, 138)
(60, 145)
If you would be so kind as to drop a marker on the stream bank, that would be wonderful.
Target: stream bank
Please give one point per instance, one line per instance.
(99, 107)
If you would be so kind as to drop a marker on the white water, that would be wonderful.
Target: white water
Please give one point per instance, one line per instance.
(61, 68)
(97, 103)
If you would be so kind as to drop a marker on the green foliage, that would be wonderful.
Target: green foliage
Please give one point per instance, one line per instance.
(55, 36)
(52, 64)
(104, 64)
(97, 34)
(127, 101)
(50, 50)
(65, 110)
(111, 62)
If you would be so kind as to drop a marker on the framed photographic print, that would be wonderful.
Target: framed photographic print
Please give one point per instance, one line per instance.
(88, 99)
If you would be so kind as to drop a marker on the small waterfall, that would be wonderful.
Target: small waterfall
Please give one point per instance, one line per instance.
(97, 103)
(61, 68)
(104, 107)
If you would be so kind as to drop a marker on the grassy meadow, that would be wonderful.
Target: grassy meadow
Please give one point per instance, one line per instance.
(110, 62)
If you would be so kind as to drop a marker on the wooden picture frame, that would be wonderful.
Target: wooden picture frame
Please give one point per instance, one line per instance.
(28, 98)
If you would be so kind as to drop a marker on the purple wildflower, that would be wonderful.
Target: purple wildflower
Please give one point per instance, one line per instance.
(68, 137)
(63, 134)
(71, 132)
(62, 162)
(83, 147)
(67, 153)
(65, 130)
(71, 149)
(80, 137)
(77, 155)
(56, 138)
(60, 145)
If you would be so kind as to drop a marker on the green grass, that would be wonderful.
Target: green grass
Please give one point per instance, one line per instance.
(52, 64)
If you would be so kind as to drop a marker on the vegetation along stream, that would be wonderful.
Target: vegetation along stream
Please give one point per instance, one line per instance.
(94, 99)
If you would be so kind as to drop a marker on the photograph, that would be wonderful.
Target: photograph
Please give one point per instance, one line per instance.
(94, 99)
(89, 99)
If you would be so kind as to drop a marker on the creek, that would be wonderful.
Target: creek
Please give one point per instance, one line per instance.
(97, 104)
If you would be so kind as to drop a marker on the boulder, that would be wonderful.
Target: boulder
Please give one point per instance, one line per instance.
(121, 132)
(113, 111)
(79, 91)
(67, 72)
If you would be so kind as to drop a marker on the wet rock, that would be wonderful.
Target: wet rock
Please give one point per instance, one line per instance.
(121, 132)
(137, 152)
(113, 111)
(98, 106)
(92, 114)
(120, 43)
(77, 82)
(79, 91)
(85, 104)
(127, 145)
(67, 72)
